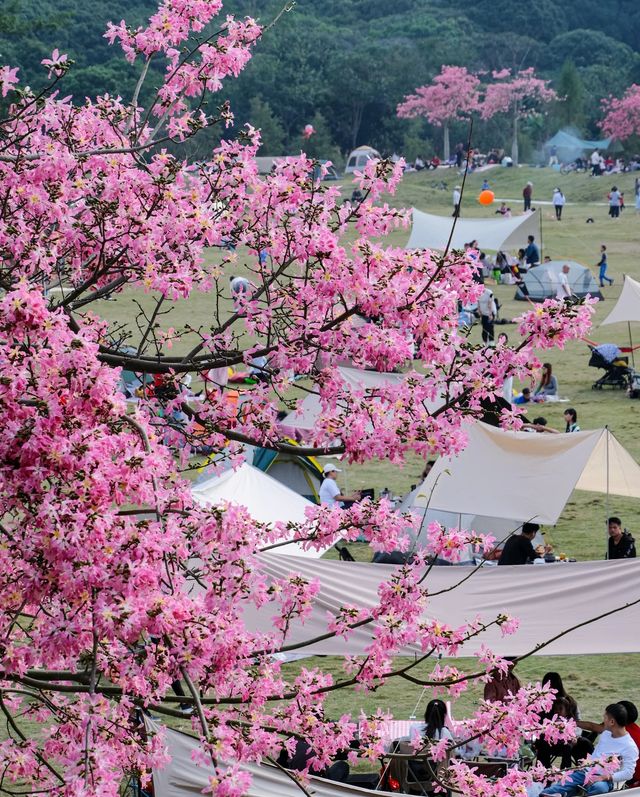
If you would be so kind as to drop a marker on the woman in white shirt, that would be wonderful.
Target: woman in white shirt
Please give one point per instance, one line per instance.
(558, 202)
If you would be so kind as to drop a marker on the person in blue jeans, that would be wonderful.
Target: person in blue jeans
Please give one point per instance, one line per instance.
(602, 265)
(614, 741)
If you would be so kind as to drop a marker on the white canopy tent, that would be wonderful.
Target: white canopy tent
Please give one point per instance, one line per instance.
(627, 308)
(528, 476)
(547, 599)
(432, 232)
(266, 499)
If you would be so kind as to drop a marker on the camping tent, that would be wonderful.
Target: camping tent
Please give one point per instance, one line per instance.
(432, 232)
(301, 474)
(571, 146)
(528, 476)
(627, 308)
(183, 777)
(304, 417)
(358, 159)
(542, 281)
(265, 498)
(547, 599)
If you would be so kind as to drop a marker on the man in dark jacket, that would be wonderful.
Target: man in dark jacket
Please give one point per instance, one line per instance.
(518, 549)
(621, 543)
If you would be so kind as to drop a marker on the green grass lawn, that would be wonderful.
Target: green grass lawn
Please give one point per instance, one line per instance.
(594, 680)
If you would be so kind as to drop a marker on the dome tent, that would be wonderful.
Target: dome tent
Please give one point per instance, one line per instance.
(358, 158)
(542, 281)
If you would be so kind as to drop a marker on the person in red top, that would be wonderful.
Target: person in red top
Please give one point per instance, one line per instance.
(632, 729)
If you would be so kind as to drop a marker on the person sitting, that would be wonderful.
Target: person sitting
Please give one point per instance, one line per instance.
(563, 706)
(502, 684)
(621, 543)
(632, 729)
(571, 419)
(532, 253)
(503, 210)
(524, 397)
(548, 385)
(614, 741)
(518, 549)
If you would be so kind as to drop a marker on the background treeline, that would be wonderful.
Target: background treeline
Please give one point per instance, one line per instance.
(343, 65)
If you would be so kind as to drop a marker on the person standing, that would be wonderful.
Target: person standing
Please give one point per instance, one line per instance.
(563, 291)
(602, 266)
(615, 200)
(527, 193)
(457, 196)
(330, 493)
(558, 203)
(488, 311)
(459, 155)
(553, 155)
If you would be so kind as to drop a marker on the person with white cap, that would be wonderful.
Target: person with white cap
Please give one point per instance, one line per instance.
(330, 494)
(457, 196)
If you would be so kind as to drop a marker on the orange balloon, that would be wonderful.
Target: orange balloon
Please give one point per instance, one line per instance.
(486, 197)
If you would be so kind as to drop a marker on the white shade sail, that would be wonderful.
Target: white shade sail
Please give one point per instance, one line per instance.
(627, 308)
(547, 599)
(432, 232)
(266, 499)
(523, 476)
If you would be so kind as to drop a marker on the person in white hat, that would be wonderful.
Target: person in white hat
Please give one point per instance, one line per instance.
(330, 494)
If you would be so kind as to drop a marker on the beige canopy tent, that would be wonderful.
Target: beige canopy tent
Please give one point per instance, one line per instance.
(182, 777)
(528, 476)
(627, 308)
(432, 232)
(265, 498)
(548, 599)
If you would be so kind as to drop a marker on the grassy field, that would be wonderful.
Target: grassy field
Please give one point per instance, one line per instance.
(594, 680)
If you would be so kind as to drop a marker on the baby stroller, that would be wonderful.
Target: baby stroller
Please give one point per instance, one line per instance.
(609, 358)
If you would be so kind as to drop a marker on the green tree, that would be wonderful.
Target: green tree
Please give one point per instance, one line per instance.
(271, 129)
(570, 110)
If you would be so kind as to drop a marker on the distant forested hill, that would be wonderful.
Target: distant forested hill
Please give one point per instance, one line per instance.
(343, 65)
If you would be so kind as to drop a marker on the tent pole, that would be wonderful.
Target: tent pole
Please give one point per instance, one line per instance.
(633, 359)
(539, 212)
(606, 520)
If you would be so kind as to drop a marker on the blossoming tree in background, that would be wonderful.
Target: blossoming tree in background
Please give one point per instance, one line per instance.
(518, 95)
(453, 95)
(622, 115)
(115, 584)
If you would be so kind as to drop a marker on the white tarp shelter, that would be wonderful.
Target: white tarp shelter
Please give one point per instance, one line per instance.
(547, 599)
(182, 777)
(528, 476)
(355, 379)
(266, 499)
(542, 281)
(627, 308)
(432, 232)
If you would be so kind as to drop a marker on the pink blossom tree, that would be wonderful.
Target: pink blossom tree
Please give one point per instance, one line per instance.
(116, 587)
(519, 95)
(453, 94)
(622, 115)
